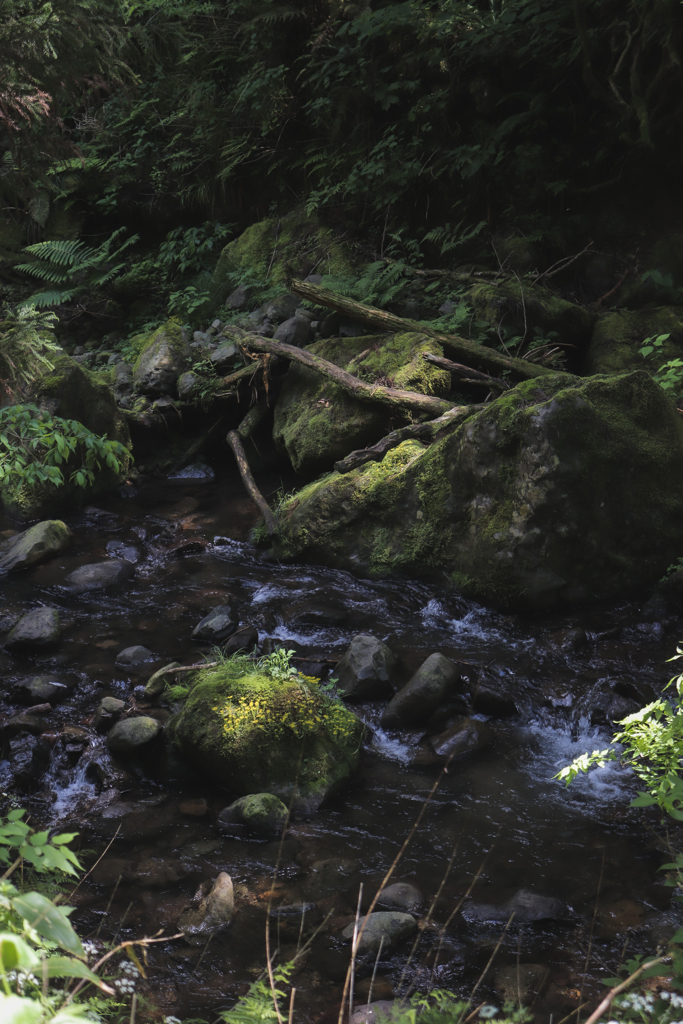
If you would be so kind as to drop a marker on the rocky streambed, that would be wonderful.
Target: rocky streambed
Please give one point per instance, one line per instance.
(513, 699)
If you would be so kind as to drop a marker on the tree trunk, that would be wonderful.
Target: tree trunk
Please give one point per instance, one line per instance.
(235, 443)
(383, 321)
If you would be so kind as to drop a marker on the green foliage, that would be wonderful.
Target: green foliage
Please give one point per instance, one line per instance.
(278, 665)
(652, 747)
(670, 374)
(74, 268)
(25, 346)
(34, 447)
(37, 848)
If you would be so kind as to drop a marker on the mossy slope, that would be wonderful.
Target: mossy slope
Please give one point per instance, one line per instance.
(254, 735)
(317, 422)
(558, 493)
(618, 336)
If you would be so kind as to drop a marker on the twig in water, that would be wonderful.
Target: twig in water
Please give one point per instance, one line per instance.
(354, 949)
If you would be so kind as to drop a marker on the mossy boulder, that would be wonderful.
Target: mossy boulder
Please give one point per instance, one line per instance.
(71, 392)
(279, 248)
(532, 309)
(619, 335)
(253, 734)
(163, 357)
(317, 422)
(561, 492)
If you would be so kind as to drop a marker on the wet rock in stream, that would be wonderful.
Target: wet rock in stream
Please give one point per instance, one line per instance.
(214, 911)
(427, 689)
(526, 906)
(37, 544)
(39, 690)
(385, 927)
(39, 628)
(401, 896)
(521, 983)
(109, 711)
(132, 657)
(99, 576)
(366, 670)
(261, 812)
(131, 736)
(377, 1012)
(464, 737)
(218, 625)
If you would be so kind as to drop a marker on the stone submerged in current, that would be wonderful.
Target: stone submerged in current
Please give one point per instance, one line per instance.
(38, 543)
(366, 669)
(218, 625)
(39, 628)
(561, 492)
(390, 925)
(428, 688)
(262, 812)
(99, 576)
(131, 736)
(213, 913)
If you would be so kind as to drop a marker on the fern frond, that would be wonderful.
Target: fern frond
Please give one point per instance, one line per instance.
(52, 298)
(62, 253)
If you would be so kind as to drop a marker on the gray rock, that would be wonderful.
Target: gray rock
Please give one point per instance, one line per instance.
(39, 690)
(239, 299)
(39, 628)
(99, 576)
(243, 640)
(218, 625)
(197, 473)
(131, 736)
(125, 551)
(108, 712)
(520, 983)
(389, 925)
(261, 812)
(448, 307)
(282, 308)
(38, 543)
(214, 912)
(225, 356)
(305, 314)
(202, 338)
(187, 383)
(136, 655)
(420, 697)
(401, 896)
(527, 906)
(217, 325)
(375, 1013)
(365, 671)
(465, 737)
(161, 362)
(292, 909)
(295, 331)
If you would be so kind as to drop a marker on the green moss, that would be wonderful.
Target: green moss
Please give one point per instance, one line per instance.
(277, 249)
(170, 333)
(619, 335)
(318, 423)
(525, 308)
(255, 734)
(559, 491)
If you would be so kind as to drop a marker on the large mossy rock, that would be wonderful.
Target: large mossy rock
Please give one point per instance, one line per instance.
(280, 248)
(317, 422)
(163, 357)
(561, 492)
(71, 392)
(528, 309)
(619, 335)
(252, 734)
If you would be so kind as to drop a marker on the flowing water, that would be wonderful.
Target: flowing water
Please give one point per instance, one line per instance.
(497, 815)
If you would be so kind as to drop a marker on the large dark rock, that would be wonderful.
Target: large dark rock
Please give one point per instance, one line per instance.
(365, 671)
(262, 812)
(561, 492)
(39, 628)
(388, 925)
(466, 736)
(428, 688)
(619, 335)
(131, 736)
(213, 911)
(99, 576)
(163, 357)
(218, 625)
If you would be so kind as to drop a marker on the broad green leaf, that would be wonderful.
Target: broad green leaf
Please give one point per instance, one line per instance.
(66, 967)
(16, 953)
(49, 921)
(65, 837)
(17, 1010)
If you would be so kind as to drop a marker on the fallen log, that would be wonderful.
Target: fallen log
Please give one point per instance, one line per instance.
(394, 398)
(252, 490)
(383, 321)
(466, 373)
(420, 431)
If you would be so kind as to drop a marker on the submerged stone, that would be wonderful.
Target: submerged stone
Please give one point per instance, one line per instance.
(39, 628)
(214, 912)
(561, 492)
(99, 576)
(262, 812)
(422, 695)
(218, 625)
(390, 926)
(366, 670)
(131, 735)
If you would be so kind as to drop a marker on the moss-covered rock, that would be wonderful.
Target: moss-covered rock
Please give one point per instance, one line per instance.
(561, 492)
(277, 249)
(163, 357)
(618, 336)
(72, 392)
(317, 422)
(253, 734)
(526, 308)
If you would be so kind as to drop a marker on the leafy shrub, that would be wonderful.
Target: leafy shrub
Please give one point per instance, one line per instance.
(34, 447)
(25, 346)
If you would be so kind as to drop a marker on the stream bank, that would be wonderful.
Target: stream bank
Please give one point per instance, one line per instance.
(548, 687)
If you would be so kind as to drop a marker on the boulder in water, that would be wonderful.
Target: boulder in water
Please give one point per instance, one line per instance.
(197, 473)
(254, 734)
(214, 912)
(390, 925)
(218, 625)
(38, 543)
(262, 812)
(99, 576)
(39, 628)
(420, 697)
(108, 712)
(561, 492)
(366, 670)
(466, 736)
(131, 657)
(401, 896)
(131, 736)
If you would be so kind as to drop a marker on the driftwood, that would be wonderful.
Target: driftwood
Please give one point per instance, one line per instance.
(466, 373)
(394, 398)
(421, 431)
(383, 321)
(252, 490)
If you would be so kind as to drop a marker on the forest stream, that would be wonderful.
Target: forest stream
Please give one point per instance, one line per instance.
(545, 689)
